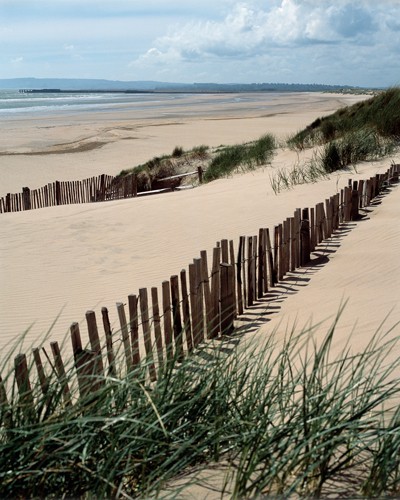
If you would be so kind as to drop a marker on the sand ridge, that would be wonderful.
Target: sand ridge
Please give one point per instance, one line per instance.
(68, 259)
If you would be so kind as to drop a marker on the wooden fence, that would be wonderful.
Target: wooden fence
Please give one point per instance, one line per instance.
(195, 305)
(101, 188)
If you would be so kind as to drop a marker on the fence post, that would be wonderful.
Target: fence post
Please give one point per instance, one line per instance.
(215, 293)
(207, 290)
(250, 281)
(26, 197)
(125, 336)
(355, 201)
(134, 328)
(112, 369)
(95, 340)
(24, 387)
(260, 281)
(5, 410)
(305, 238)
(144, 314)
(200, 174)
(62, 377)
(176, 315)
(85, 364)
(58, 192)
(239, 264)
(199, 298)
(43, 380)
(186, 311)
(166, 298)
(157, 324)
(227, 312)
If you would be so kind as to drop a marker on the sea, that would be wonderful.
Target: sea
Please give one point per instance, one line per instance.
(15, 103)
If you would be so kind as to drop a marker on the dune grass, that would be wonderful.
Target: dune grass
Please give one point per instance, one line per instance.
(288, 418)
(379, 115)
(246, 156)
(368, 130)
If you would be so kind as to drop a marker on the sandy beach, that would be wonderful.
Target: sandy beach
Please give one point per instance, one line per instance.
(62, 261)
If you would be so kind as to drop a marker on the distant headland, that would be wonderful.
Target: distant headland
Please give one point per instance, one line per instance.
(57, 85)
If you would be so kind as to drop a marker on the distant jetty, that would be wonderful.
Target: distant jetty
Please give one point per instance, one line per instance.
(75, 91)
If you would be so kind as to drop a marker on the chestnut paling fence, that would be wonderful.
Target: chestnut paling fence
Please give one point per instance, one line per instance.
(194, 306)
(101, 188)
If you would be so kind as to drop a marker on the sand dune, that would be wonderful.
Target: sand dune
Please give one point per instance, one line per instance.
(65, 260)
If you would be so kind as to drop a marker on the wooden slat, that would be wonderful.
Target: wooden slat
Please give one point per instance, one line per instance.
(24, 387)
(207, 291)
(125, 336)
(200, 301)
(166, 299)
(144, 314)
(215, 293)
(227, 299)
(134, 328)
(270, 258)
(112, 368)
(233, 264)
(186, 311)
(250, 281)
(43, 380)
(5, 410)
(157, 325)
(95, 340)
(62, 377)
(177, 318)
(239, 281)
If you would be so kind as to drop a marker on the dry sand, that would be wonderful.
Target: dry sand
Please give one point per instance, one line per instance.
(66, 260)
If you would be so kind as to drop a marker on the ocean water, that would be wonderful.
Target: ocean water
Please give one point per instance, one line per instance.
(14, 103)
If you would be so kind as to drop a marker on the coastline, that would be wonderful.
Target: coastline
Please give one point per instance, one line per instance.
(68, 259)
(35, 150)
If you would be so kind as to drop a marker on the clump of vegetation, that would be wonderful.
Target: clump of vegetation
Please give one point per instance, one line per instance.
(177, 152)
(289, 419)
(368, 130)
(287, 178)
(379, 115)
(246, 156)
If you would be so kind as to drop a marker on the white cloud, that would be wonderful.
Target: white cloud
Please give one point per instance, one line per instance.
(281, 38)
(17, 60)
(248, 30)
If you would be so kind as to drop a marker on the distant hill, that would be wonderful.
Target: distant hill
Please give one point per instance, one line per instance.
(92, 84)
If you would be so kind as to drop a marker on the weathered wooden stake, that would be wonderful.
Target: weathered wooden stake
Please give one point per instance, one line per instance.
(134, 328)
(176, 315)
(305, 238)
(215, 293)
(43, 380)
(227, 314)
(157, 325)
(250, 280)
(62, 377)
(95, 340)
(112, 368)
(186, 311)
(166, 300)
(144, 314)
(24, 387)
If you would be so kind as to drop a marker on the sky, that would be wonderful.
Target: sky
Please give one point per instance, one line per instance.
(338, 42)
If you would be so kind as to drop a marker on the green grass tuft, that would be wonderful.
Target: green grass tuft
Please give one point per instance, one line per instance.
(246, 156)
(288, 419)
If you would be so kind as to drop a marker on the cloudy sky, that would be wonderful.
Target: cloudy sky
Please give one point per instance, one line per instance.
(291, 41)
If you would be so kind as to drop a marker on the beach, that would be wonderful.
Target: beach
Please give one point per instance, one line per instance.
(59, 262)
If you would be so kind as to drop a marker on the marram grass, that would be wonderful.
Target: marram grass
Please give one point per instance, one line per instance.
(288, 418)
